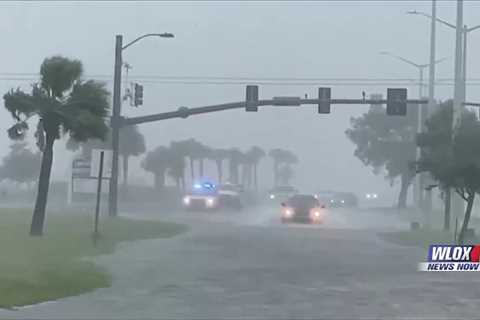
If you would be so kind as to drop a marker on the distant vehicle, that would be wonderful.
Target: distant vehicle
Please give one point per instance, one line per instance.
(282, 193)
(344, 200)
(303, 208)
(231, 196)
(325, 197)
(202, 196)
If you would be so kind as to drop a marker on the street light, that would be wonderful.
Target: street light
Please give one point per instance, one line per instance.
(464, 31)
(421, 67)
(116, 114)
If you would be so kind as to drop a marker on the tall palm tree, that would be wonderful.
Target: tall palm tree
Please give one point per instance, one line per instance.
(255, 153)
(281, 156)
(285, 174)
(178, 152)
(277, 156)
(63, 104)
(235, 158)
(132, 144)
(218, 155)
(192, 149)
(203, 153)
(157, 162)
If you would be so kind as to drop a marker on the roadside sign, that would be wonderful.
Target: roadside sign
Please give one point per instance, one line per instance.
(80, 168)
(89, 186)
(95, 163)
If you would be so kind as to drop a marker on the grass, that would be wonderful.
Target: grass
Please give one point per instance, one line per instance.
(38, 269)
(420, 238)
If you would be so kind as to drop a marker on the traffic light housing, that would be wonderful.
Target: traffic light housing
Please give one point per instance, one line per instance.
(396, 101)
(251, 99)
(324, 95)
(138, 95)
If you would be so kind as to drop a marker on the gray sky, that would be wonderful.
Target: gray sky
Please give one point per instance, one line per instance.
(255, 39)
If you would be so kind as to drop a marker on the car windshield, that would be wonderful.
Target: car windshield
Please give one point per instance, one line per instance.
(217, 159)
(303, 201)
(284, 189)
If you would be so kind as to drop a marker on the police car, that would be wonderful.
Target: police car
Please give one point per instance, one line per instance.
(202, 196)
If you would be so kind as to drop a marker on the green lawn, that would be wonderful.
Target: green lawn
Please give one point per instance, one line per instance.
(44, 268)
(421, 238)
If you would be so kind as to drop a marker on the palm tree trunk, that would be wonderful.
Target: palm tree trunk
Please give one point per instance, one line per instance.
(466, 219)
(275, 173)
(446, 218)
(192, 169)
(255, 176)
(402, 197)
(200, 167)
(159, 180)
(125, 172)
(38, 219)
(219, 170)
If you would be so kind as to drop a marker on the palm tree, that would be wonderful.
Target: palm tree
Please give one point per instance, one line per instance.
(192, 149)
(285, 174)
(132, 143)
(277, 156)
(235, 158)
(157, 162)
(176, 169)
(255, 154)
(218, 155)
(203, 153)
(281, 156)
(63, 103)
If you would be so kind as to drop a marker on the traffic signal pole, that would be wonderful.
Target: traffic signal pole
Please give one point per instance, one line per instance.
(115, 125)
(396, 106)
(185, 112)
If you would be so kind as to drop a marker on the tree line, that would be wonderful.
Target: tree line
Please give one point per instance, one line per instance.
(171, 161)
(450, 154)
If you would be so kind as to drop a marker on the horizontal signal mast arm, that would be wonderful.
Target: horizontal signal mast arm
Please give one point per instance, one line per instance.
(184, 112)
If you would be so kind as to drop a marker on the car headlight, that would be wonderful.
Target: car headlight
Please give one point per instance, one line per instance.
(272, 196)
(343, 201)
(368, 196)
(210, 202)
(332, 201)
(186, 201)
(375, 195)
(288, 212)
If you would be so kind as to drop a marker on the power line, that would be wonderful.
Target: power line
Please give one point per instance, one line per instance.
(34, 76)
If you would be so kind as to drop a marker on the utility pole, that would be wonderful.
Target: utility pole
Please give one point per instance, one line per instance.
(431, 97)
(116, 120)
(115, 126)
(457, 202)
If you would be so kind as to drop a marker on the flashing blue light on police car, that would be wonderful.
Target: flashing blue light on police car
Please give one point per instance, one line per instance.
(197, 186)
(208, 185)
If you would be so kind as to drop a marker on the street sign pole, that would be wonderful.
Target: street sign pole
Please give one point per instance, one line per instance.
(99, 192)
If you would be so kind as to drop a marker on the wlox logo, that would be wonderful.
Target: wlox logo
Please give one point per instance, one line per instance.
(452, 258)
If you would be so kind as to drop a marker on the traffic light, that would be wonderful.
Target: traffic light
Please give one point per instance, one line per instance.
(324, 95)
(396, 101)
(251, 100)
(138, 95)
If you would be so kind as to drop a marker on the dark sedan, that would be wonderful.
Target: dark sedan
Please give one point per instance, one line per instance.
(303, 208)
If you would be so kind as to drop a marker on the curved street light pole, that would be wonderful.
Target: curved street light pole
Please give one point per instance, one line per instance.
(465, 30)
(116, 116)
(417, 186)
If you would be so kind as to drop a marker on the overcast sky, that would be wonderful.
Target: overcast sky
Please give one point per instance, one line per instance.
(231, 39)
